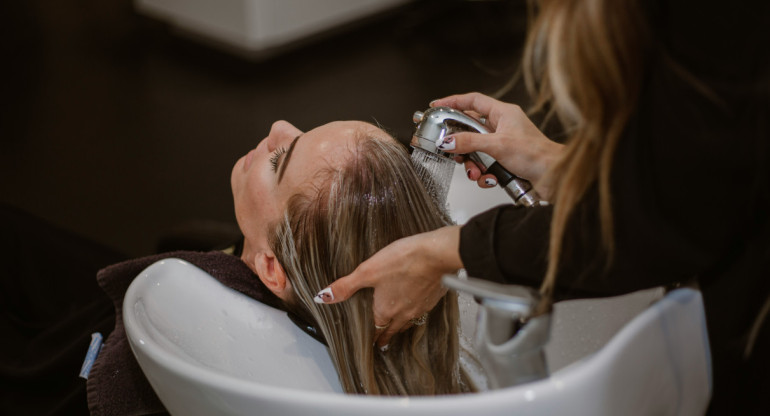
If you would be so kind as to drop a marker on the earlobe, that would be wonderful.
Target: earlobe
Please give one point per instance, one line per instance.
(271, 272)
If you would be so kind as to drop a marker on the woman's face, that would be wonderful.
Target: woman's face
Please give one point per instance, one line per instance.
(285, 163)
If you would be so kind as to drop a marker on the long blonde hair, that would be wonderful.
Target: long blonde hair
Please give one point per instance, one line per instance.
(584, 59)
(357, 210)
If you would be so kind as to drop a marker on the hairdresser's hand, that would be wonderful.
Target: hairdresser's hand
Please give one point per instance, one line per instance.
(515, 142)
(406, 277)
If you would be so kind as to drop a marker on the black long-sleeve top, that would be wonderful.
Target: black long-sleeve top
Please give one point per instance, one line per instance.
(691, 193)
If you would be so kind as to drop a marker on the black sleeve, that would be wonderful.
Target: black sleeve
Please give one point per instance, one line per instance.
(689, 180)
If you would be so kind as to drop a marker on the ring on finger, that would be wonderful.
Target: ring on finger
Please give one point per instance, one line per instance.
(420, 321)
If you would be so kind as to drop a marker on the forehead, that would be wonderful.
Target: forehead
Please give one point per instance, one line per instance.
(335, 142)
(341, 133)
(327, 147)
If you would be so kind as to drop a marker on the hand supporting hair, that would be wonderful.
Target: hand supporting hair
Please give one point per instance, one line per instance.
(406, 275)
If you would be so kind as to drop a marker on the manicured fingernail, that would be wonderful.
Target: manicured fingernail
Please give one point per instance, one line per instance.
(385, 348)
(446, 143)
(431, 103)
(490, 182)
(468, 173)
(324, 296)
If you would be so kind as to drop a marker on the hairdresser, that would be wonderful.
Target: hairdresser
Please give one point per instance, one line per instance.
(664, 178)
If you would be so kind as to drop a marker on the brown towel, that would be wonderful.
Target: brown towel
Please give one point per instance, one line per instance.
(116, 385)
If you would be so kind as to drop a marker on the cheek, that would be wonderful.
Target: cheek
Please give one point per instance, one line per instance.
(255, 205)
(239, 185)
(249, 198)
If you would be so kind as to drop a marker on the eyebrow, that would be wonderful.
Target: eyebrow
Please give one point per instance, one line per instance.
(285, 159)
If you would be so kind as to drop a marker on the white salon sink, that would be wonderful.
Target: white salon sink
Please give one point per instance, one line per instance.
(209, 350)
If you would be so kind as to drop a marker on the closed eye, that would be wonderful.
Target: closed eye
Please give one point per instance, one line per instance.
(277, 153)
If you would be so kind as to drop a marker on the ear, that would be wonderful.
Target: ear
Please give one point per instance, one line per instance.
(271, 273)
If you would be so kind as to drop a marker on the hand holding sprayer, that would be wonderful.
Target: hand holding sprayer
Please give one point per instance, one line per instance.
(436, 123)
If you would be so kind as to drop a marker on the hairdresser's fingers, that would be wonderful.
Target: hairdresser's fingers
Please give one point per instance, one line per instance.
(493, 144)
(382, 338)
(411, 301)
(406, 320)
(401, 318)
(380, 328)
(377, 270)
(462, 143)
(474, 173)
(482, 104)
(394, 328)
(480, 117)
(405, 275)
(396, 313)
(384, 269)
(472, 170)
(487, 181)
(343, 288)
(472, 101)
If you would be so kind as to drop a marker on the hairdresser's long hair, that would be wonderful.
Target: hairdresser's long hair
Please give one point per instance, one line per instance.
(584, 60)
(372, 201)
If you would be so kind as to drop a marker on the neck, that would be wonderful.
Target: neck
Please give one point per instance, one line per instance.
(248, 254)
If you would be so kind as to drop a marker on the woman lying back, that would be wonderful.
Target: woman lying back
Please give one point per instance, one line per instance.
(312, 207)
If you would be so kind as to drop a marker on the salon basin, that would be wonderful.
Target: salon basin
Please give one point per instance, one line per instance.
(209, 350)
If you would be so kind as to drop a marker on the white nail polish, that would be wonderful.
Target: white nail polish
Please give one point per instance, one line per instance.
(324, 296)
(385, 348)
(490, 182)
(446, 143)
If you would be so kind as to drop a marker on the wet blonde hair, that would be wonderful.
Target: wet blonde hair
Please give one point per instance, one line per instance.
(357, 210)
(584, 60)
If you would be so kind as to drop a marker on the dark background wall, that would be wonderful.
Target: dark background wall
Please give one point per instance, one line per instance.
(116, 128)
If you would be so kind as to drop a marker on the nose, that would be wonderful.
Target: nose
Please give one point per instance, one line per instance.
(281, 133)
